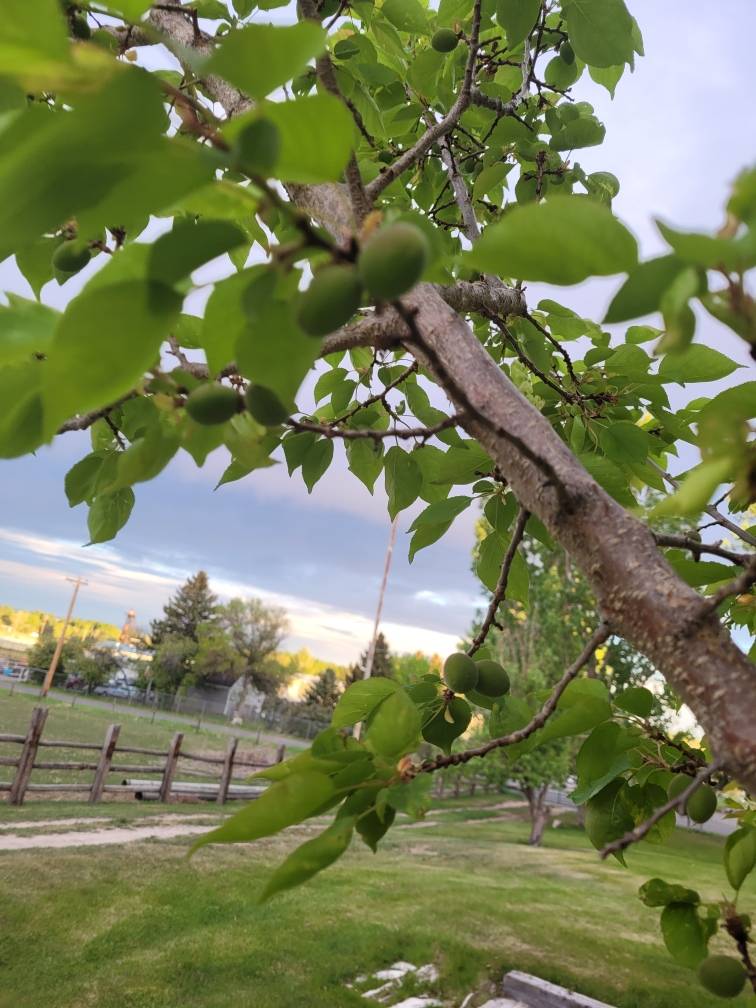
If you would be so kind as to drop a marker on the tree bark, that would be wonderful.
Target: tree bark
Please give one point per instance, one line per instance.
(540, 813)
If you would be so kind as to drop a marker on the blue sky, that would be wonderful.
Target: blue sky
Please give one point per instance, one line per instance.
(678, 131)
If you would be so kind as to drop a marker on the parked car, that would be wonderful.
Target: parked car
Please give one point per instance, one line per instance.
(121, 691)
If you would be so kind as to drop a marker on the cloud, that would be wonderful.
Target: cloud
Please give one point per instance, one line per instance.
(333, 633)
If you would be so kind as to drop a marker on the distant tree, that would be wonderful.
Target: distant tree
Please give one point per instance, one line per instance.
(382, 662)
(173, 662)
(96, 667)
(323, 694)
(192, 605)
(255, 631)
(216, 660)
(409, 667)
(40, 656)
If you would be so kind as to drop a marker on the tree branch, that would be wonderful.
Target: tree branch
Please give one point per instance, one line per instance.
(537, 721)
(737, 586)
(441, 128)
(697, 548)
(634, 835)
(501, 585)
(354, 434)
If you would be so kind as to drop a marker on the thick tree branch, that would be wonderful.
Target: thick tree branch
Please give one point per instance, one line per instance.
(501, 585)
(537, 721)
(634, 835)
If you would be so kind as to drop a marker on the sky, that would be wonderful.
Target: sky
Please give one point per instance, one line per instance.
(678, 131)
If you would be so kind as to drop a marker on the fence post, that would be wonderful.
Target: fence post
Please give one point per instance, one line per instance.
(28, 755)
(170, 766)
(228, 769)
(103, 764)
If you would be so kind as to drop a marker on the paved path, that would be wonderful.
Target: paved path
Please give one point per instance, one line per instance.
(157, 715)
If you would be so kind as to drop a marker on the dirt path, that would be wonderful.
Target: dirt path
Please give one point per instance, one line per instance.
(160, 828)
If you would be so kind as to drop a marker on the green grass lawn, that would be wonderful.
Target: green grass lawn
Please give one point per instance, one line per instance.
(139, 926)
(87, 724)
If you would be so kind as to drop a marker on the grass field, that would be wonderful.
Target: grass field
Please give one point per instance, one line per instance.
(86, 724)
(139, 926)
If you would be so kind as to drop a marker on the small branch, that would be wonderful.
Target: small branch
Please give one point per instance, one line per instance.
(441, 128)
(501, 585)
(737, 586)
(697, 548)
(674, 804)
(349, 434)
(538, 720)
(710, 510)
(85, 420)
(379, 396)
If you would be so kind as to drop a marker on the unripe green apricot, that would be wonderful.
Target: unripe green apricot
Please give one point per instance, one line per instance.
(722, 975)
(385, 156)
(445, 40)
(460, 673)
(393, 260)
(213, 404)
(678, 784)
(265, 406)
(331, 299)
(71, 256)
(702, 804)
(257, 147)
(493, 680)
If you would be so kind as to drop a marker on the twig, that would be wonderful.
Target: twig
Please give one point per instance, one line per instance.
(536, 722)
(737, 586)
(379, 396)
(697, 548)
(679, 802)
(719, 518)
(349, 434)
(85, 420)
(501, 584)
(441, 128)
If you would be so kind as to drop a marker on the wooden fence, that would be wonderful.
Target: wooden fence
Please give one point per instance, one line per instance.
(105, 763)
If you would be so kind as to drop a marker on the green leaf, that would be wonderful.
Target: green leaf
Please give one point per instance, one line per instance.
(406, 15)
(488, 567)
(108, 514)
(360, 699)
(84, 370)
(562, 241)
(311, 858)
(624, 442)
(261, 57)
(434, 522)
(683, 934)
(517, 18)
(740, 855)
(607, 77)
(372, 828)
(26, 328)
(696, 489)
(658, 893)
(81, 479)
(585, 131)
(602, 757)
(642, 292)
(601, 31)
(33, 36)
(583, 705)
(56, 163)
(317, 136)
(636, 700)
(450, 11)
(190, 244)
(365, 459)
(289, 801)
(709, 252)
(316, 461)
(606, 818)
(394, 728)
(403, 480)
(610, 477)
(698, 363)
(273, 351)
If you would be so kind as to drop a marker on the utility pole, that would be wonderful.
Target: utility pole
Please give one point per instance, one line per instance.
(381, 595)
(77, 583)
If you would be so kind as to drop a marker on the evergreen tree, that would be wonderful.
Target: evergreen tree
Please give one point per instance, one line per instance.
(324, 692)
(193, 604)
(382, 662)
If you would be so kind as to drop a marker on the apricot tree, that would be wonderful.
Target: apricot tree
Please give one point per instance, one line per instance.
(384, 177)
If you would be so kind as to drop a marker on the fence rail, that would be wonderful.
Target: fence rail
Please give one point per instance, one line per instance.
(164, 788)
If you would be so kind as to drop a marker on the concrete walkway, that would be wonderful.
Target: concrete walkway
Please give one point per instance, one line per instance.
(117, 708)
